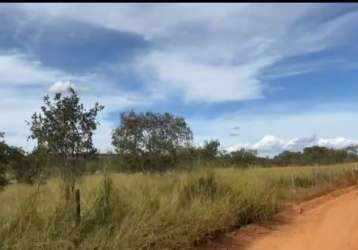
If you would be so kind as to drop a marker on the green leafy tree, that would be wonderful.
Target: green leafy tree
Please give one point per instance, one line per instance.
(64, 129)
(210, 149)
(25, 168)
(244, 157)
(3, 160)
(11, 160)
(150, 141)
(315, 155)
(288, 158)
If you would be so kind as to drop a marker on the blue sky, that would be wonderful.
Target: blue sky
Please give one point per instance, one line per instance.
(264, 76)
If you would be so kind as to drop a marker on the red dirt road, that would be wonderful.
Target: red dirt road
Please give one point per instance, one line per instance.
(329, 222)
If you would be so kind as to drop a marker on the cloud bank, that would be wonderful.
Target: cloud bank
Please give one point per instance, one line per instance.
(270, 145)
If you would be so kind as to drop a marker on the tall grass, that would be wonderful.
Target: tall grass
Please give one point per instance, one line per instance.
(176, 210)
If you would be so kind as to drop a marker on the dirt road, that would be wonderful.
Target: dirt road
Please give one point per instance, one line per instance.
(329, 222)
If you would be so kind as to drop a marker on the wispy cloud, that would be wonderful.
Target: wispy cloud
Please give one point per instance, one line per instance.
(215, 53)
(135, 55)
(17, 69)
(204, 82)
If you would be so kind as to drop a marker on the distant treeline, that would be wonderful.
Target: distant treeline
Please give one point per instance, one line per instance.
(210, 155)
(144, 141)
(17, 165)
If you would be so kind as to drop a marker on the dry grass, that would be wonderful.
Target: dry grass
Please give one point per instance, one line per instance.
(159, 211)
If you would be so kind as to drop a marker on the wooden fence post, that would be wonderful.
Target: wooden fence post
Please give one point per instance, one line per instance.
(78, 206)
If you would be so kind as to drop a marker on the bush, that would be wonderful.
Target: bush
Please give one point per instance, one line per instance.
(3, 179)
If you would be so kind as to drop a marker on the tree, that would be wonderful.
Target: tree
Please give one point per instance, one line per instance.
(244, 157)
(150, 141)
(25, 168)
(287, 158)
(17, 165)
(65, 129)
(210, 149)
(3, 160)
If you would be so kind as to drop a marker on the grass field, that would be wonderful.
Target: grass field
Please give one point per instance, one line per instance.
(176, 210)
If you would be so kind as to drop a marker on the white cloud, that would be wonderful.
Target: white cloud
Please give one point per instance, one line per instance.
(17, 69)
(238, 147)
(103, 136)
(338, 142)
(205, 82)
(142, 19)
(61, 87)
(212, 53)
(291, 131)
(271, 145)
(297, 144)
(302, 68)
(209, 53)
(15, 109)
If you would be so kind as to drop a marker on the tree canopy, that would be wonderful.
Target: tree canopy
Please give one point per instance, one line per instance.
(64, 128)
(150, 140)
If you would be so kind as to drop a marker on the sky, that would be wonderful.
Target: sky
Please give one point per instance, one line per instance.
(269, 77)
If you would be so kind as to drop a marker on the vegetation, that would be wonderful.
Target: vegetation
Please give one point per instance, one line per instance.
(3, 160)
(175, 210)
(144, 142)
(158, 191)
(64, 130)
(150, 141)
(315, 155)
(14, 162)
